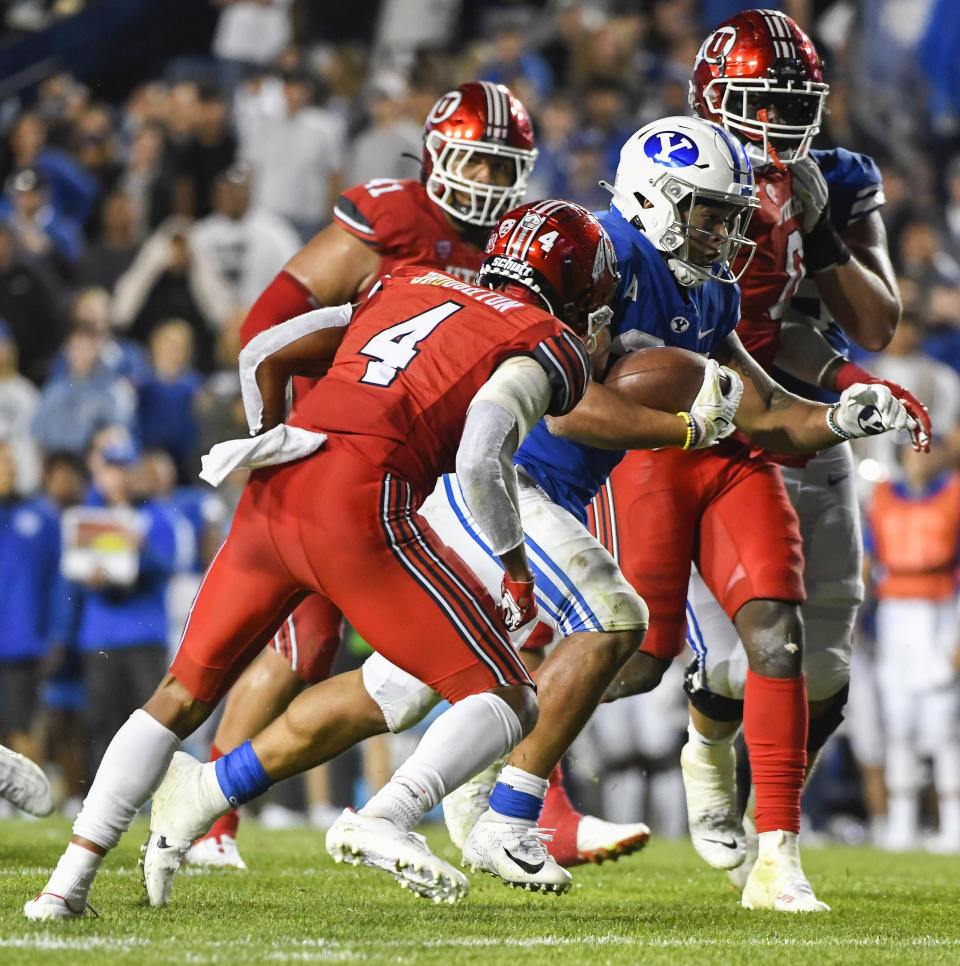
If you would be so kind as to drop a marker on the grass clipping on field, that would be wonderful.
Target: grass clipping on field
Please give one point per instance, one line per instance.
(295, 906)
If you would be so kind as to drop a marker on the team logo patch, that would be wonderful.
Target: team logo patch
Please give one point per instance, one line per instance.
(771, 192)
(679, 324)
(671, 149)
(718, 45)
(444, 247)
(445, 107)
(869, 421)
(506, 226)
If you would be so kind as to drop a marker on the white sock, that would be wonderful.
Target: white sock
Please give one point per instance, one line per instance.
(949, 809)
(131, 769)
(212, 799)
(73, 876)
(708, 744)
(458, 745)
(902, 816)
(522, 781)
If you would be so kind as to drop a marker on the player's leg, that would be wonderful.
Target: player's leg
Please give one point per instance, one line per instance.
(755, 573)
(899, 622)
(300, 653)
(940, 728)
(576, 838)
(603, 618)
(399, 586)
(244, 596)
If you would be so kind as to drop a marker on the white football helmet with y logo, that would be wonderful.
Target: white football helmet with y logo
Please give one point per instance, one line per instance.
(669, 167)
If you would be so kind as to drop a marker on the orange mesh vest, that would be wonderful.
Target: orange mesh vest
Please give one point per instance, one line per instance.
(915, 541)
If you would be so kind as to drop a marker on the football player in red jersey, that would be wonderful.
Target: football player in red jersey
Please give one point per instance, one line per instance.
(759, 76)
(429, 375)
(477, 157)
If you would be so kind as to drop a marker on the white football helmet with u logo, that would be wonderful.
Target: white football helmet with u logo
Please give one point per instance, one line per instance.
(672, 165)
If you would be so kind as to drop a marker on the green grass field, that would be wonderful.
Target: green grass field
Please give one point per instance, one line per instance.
(296, 906)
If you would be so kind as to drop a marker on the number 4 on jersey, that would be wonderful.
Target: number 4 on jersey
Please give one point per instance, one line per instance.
(394, 349)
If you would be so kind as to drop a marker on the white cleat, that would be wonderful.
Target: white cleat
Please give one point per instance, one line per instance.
(379, 844)
(710, 783)
(515, 853)
(463, 807)
(777, 881)
(738, 876)
(213, 852)
(178, 816)
(47, 906)
(598, 840)
(23, 783)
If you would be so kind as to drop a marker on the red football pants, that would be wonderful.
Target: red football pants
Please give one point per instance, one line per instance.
(333, 524)
(724, 508)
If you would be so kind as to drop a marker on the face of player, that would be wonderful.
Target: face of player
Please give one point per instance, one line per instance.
(708, 228)
(798, 110)
(487, 168)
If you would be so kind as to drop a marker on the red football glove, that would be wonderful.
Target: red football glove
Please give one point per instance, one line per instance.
(518, 606)
(850, 372)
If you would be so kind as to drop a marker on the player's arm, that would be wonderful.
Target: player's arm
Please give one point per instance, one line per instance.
(852, 268)
(610, 420)
(501, 414)
(332, 268)
(784, 422)
(303, 346)
(805, 354)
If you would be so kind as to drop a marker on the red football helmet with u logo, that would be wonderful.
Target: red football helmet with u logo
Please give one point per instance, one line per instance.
(759, 76)
(477, 122)
(563, 255)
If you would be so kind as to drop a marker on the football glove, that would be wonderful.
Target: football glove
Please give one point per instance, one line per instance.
(810, 188)
(518, 606)
(712, 412)
(864, 410)
(920, 434)
(823, 248)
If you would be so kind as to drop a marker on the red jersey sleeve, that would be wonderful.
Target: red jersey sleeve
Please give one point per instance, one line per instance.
(375, 211)
(565, 360)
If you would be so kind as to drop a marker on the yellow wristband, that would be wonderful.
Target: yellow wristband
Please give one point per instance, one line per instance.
(691, 429)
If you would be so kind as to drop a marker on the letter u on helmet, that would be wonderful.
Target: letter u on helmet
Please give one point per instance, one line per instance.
(562, 257)
(476, 120)
(761, 57)
(670, 166)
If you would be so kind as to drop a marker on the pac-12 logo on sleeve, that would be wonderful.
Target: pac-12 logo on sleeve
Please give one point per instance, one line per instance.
(672, 149)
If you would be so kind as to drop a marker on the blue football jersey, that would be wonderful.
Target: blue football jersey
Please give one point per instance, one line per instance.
(649, 308)
(856, 190)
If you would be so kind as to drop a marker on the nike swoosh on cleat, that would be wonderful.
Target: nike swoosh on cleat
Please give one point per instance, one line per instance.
(834, 478)
(526, 866)
(732, 844)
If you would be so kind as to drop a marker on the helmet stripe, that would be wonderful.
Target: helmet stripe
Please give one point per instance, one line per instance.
(498, 112)
(783, 45)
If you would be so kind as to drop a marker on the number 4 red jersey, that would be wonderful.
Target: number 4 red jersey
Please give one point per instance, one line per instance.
(412, 360)
(400, 222)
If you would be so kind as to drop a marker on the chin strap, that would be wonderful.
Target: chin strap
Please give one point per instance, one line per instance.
(684, 274)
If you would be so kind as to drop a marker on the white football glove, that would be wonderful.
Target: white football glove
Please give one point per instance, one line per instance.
(713, 410)
(810, 187)
(868, 410)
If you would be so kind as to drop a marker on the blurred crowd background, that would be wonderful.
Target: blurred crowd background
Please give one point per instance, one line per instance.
(159, 163)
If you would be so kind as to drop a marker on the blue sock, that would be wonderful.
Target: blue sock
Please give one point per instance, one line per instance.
(508, 801)
(241, 776)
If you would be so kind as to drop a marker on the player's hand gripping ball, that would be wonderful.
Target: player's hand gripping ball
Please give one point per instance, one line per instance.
(676, 380)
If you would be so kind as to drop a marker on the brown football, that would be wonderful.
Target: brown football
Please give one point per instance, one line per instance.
(661, 377)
